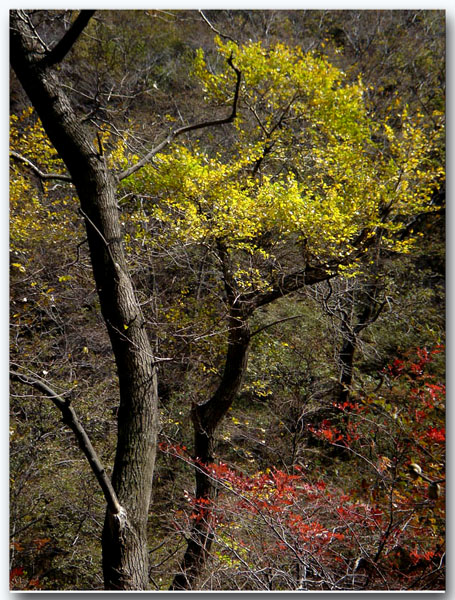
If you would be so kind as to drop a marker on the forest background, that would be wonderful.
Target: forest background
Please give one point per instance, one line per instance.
(300, 400)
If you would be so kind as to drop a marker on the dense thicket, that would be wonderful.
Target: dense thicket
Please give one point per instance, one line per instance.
(297, 355)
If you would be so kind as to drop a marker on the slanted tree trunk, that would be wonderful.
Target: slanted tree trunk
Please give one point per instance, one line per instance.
(208, 415)
(125, 553)
(206, 418)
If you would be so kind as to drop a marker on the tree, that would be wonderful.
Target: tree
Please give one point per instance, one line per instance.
(125, 553)
(311, 183)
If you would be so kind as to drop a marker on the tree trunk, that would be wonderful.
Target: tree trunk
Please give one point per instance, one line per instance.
(125, 554)
(206, 417)
(346, 363)
(363, 308)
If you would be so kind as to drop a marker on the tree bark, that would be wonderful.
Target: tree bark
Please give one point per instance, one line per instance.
(125, 554)
(347, 350)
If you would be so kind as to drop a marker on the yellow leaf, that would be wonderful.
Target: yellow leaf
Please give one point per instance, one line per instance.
(19, 266)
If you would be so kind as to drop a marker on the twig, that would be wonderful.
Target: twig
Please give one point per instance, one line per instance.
(276, 323)
(37, 170)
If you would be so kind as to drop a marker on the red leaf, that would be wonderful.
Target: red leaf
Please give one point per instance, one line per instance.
(16, 572)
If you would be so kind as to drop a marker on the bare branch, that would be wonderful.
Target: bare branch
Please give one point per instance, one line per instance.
(267, 325)
(187, 128)
(58, 53)
(222, 35)
(69, 417)
(288, 284)
(37, 170)
(309, 275)
(23, 16)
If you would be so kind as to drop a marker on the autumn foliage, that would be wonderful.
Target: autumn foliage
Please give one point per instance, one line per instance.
(235, 244)
(300, 529)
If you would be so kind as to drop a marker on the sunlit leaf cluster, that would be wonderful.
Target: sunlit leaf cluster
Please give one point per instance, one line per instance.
(310, 167)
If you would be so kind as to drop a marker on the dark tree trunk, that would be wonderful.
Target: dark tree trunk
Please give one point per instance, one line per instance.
(363, 308)
(125, 555)
(346, 361)
(206, 417)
